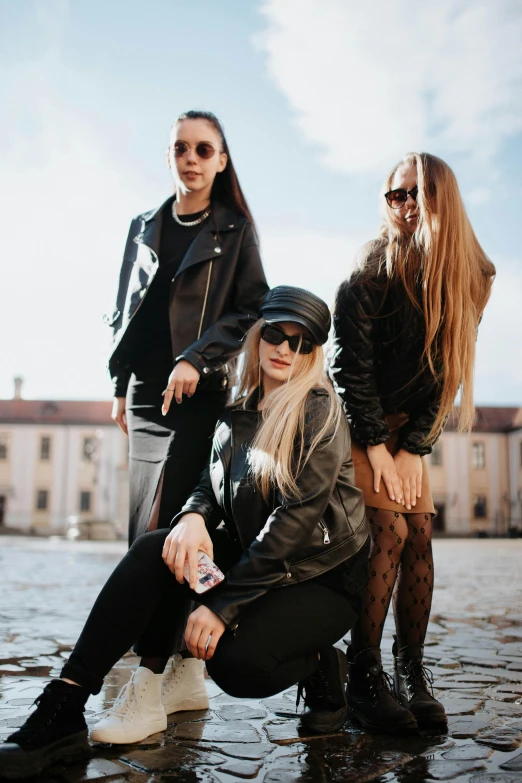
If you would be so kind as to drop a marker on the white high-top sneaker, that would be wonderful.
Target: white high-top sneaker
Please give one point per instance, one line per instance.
(137, 712)
(184, 685)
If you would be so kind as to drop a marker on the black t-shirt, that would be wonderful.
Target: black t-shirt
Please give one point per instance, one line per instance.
(152, 353)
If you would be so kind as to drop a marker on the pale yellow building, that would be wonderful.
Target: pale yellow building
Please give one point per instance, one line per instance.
(64, 459)
(476, 479)
(61, 461)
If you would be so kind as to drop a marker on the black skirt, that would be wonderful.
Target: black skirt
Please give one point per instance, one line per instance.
(177, 445)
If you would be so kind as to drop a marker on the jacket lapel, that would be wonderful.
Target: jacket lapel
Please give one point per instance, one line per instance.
(152, 223)
(207, 245)
(209, 242)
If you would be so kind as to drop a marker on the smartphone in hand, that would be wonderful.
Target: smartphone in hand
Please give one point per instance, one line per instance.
(208, 574)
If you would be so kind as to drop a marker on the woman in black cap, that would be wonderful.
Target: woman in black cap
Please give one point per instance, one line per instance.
(294, 550)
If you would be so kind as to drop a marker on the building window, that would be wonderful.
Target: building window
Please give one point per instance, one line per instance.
(478, 455)
(436, 454)
(480, 506)
(3, 447)
(42, 500)
(45, 447)
(88, 449)
(85, 501)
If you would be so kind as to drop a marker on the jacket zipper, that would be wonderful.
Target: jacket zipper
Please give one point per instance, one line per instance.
(326, 532)
(205, 299)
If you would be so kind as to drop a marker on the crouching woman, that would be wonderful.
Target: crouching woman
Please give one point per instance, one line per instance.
(293, 547)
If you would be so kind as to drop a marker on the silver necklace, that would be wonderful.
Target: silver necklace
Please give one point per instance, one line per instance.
(189, 223)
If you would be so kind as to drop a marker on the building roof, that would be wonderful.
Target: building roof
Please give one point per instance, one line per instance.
(492, 419)
(49, 412)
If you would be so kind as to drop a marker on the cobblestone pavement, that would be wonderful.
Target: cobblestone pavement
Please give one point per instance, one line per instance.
(474, 649)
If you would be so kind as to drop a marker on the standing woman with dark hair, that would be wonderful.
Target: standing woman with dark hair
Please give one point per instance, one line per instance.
(191, 285)
(406, 325)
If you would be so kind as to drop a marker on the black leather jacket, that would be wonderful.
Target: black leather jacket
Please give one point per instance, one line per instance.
(377, 361)
(283, 542)
(215, 295)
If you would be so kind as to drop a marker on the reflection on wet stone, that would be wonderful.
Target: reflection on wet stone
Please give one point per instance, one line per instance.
(514, 764)
(241, 769)
(170, 757)
(501, 738)
(470, 752)
(96, 769)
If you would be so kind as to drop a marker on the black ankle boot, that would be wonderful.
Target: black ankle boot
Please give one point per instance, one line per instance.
(371, 702)
(413, 686)
(55, 732)
(325, 693)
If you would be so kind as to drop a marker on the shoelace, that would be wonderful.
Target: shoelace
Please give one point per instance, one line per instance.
(315, 681)
(125, 701)
(173, 677)
(42, 717)
(419, 676)
(381, 683)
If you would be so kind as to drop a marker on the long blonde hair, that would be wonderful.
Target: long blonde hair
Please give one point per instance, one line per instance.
(277, 454)
(443, 261)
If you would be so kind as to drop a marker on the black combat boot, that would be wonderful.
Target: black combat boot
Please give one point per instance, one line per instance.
(55, 732)
(371, 702)
(325, 693)
(413, 686)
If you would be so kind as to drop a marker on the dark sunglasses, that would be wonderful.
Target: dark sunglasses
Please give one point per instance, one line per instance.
(204, 149)
(273, 335)
(397, 198)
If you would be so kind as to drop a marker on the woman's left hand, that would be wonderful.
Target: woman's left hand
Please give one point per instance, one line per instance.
(409, 470)
(203, 624)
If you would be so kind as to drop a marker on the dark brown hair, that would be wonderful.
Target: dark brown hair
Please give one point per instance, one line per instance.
(226, 188)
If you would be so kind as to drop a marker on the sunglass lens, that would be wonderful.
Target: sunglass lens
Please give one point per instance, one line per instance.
(396, 198)
(204, 150)
(180, 149)
(272, 335)
(275, 336)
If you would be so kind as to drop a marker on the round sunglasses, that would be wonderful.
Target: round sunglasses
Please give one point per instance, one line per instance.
(273, 335)
(204, 150)
(398, 198)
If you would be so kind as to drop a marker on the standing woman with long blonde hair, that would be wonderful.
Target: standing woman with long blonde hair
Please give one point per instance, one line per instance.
(406, 326)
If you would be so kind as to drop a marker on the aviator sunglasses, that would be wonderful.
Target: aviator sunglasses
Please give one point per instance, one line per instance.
(204, 150)
(397, 198)
(273, 335)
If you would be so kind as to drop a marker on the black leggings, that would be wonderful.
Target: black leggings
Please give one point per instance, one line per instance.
(275, 645)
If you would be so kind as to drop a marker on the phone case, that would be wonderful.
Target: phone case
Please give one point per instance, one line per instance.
(209, 574)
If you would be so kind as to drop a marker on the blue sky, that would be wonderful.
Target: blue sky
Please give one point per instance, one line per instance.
(318, 99)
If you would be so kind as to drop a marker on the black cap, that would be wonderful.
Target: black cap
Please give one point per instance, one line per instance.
(286, 303)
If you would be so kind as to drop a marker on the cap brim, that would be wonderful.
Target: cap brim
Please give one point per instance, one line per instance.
(277, 317)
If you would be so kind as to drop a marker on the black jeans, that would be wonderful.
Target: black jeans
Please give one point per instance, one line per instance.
(275, 645)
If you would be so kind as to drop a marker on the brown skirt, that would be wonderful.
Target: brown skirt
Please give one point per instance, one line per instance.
(364, 474)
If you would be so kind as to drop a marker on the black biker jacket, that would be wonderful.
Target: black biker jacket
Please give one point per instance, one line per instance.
(215, 294)
(283, 542)
(377, 362)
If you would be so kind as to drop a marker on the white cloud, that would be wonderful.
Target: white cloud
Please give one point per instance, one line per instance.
(370, 81)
